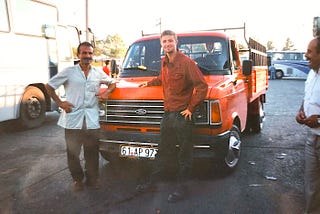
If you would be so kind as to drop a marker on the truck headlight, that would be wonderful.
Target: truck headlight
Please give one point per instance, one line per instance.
(102, 110)
(201, 114)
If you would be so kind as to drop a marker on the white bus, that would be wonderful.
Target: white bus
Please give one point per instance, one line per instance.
(34, 47)
(289, 64)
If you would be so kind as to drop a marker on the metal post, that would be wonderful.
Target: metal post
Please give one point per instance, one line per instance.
(87, 20)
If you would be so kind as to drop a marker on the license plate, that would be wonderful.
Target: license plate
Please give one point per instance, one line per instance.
(138, 151)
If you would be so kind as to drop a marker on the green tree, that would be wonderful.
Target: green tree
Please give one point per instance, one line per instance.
(113, 47)
(270, 46)
(288, 45)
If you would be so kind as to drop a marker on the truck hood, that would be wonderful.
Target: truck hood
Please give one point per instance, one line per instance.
(128, 88)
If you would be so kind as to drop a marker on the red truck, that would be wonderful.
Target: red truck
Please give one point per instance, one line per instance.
(237, 79)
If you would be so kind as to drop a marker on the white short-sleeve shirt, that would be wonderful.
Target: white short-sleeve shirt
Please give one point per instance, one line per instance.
(311, 103)
(81, 92)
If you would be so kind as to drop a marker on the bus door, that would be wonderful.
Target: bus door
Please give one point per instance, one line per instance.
(62, 43)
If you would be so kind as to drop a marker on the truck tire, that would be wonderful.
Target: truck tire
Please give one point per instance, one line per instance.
(256, 121)
(32, 108)
(233, 152)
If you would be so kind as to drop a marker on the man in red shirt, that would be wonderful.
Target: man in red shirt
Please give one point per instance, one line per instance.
(106, 67)
(184, 87)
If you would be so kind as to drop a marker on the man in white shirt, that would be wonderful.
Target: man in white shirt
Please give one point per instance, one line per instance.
(80, 115)
(309, 115)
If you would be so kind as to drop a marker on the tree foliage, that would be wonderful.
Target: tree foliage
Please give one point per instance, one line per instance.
(288, 45)
(112, 47)
(270, 46)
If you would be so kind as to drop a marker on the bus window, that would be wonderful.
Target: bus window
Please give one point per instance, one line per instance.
(65, 53)
(4, 21)
(32, 12)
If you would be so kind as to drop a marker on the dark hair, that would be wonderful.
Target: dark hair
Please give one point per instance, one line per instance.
(169, 33)
(87, 44)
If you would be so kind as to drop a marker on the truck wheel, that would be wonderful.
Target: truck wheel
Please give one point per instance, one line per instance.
(257, 120)
(32, 108)
(232, 157)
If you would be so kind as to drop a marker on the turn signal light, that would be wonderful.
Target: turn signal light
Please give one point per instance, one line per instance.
(215, 112)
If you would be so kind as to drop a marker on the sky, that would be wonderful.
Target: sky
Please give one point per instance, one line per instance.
(272, 20)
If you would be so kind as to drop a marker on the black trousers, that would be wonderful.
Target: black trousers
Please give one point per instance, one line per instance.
(89, 140)
(174, 130)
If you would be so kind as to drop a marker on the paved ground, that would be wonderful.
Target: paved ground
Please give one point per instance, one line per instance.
(34, 177)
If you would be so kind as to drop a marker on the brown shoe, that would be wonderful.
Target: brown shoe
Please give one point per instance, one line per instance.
(77, 186)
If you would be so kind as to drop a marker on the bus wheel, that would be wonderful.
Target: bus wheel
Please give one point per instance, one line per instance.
(279, 74)
(32, 108)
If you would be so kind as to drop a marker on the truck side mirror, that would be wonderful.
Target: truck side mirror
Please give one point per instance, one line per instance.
(48, 31)
(247, 67)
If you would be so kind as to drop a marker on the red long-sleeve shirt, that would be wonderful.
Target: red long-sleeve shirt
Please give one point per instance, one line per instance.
(184, 86)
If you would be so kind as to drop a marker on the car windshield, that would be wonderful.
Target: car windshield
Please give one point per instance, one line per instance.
(210, 53)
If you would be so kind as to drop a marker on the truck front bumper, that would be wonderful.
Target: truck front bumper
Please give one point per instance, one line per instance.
(205, 146)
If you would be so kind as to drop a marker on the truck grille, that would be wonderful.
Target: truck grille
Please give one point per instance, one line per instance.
(134, 112)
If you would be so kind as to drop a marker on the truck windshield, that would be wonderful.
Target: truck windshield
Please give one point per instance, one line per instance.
(210, 53)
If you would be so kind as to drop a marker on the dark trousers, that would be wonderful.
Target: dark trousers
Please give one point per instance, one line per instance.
(174, 130)
(75, 139)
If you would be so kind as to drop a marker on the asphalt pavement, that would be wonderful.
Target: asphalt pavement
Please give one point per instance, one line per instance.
(34, 177)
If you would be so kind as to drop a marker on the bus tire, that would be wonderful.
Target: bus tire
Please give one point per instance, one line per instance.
(279, 74)
(32, 108)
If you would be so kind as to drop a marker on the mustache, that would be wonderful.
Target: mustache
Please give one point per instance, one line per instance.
(87, 59)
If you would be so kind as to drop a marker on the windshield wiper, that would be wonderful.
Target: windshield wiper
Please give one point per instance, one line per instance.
(140, 67)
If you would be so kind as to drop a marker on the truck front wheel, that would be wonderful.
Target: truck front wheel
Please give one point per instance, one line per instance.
(232, 157)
